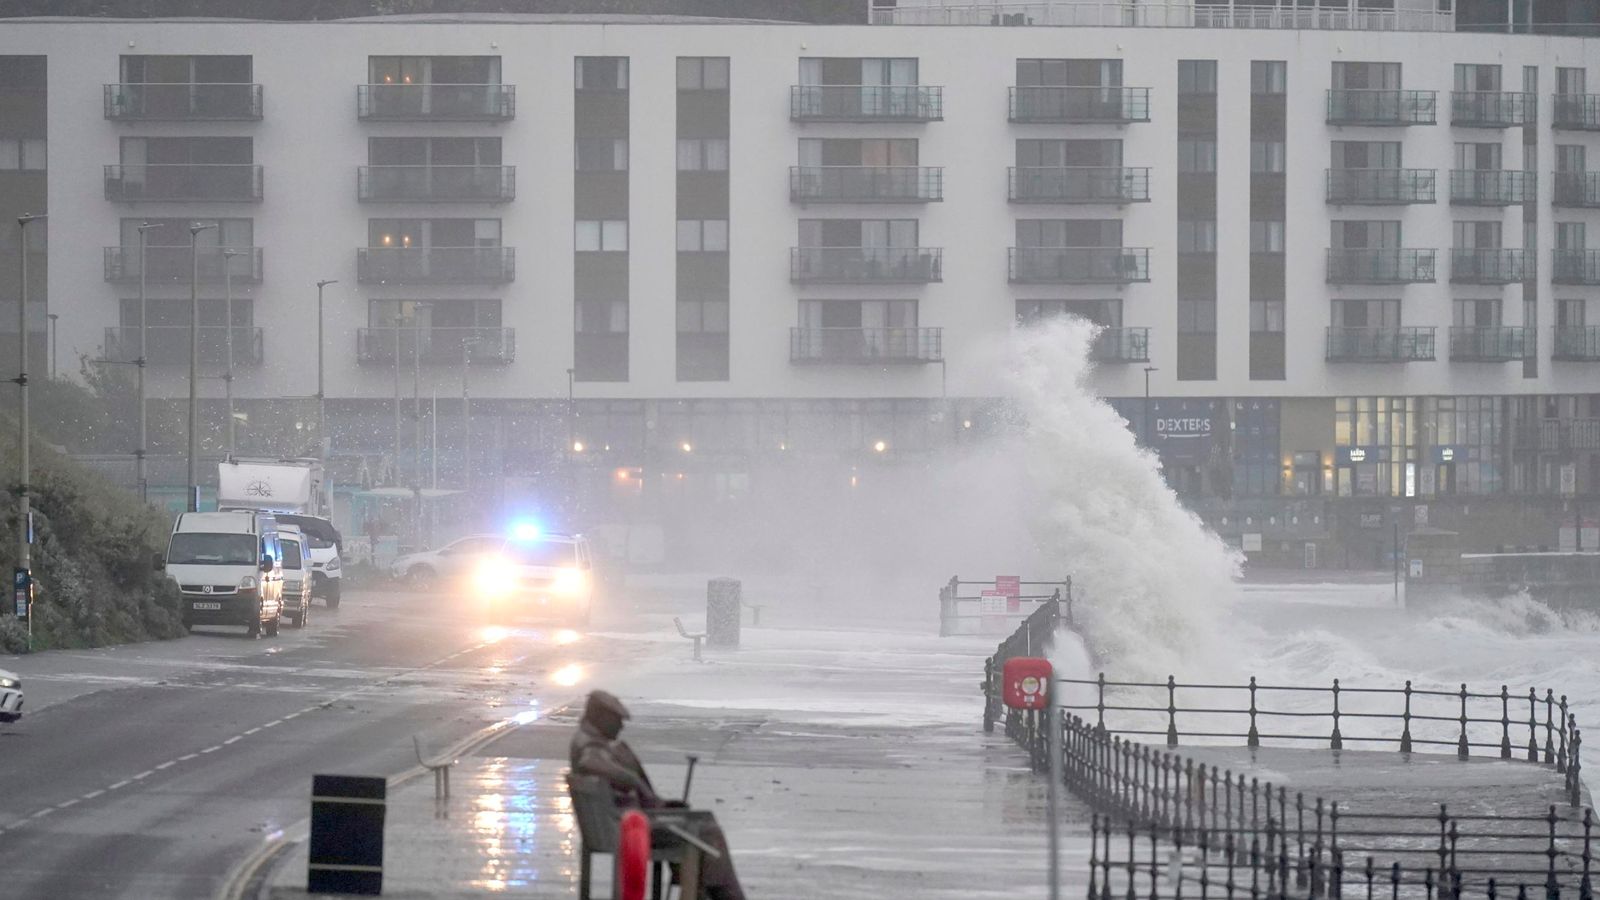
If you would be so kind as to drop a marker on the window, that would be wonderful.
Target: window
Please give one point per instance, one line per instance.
(602, 317)
(702, 235)
(602, 73)
(1483, 157)
(1365, 313)
(858, 233)
(609, 235)
(484, 151)
(1569, 81)
(702, 154)
(1197, 236)
(1571, 236)
(1477, 77)
(1266, 236)
(1268, 76)
(1477, 313)
(702, 73)
(1480, 235)
(601, 155)
(1570, 158)
(1366, 76)
(1105, 313)
(27, 155)
(702, 316)
(1197, 76)
(1052, 153)
(854, 152)
(1079, 72)
(1197, 316)
(1266, 315)
(1197, 155)
(1265, 156)
(170, 232)
(1365, 154)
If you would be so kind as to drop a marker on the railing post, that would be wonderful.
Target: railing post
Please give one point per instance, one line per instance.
(1574, 766)
(1561, 753)
(1533, 725)
(1505, 723)
(1444, 845)
(1172, 712)
(1586, 887)
(1462, 750)
(1187, 787)
(1253, 738)
(1094, 854)
(1405, 723)
(1154, 893)
(988, 695)
(1100, 701)
(1552, 887)
(1550, 729)
(1338, 739)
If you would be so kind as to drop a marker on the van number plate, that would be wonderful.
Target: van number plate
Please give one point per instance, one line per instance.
(208, 606)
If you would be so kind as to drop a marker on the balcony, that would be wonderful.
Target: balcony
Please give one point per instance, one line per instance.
(192, 182)
(1575, 267)
(1469, 265)
(435, 346)
(1382, 108)
(1086, 105)
(1114, 185)
(1579, 190)
(1492, 109)
(435, 265)
(436, 102)
(1577, 344)
(1577, 112)
(1489, 343)
(182, 102)
(866, 265)
(865, 346)
(865, 184)
(436, 184)
(1079, 265)
(1157, 14)
(173, 265)
(1492, 187)
(1121, 345)
(1370, 345)
(1380, 187)
(168, 345)
(1381, 266)
(873, 103)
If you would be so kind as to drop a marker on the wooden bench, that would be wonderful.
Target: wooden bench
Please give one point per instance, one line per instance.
(594, 806)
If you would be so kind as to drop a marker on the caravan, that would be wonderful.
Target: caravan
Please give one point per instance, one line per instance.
(296, 492)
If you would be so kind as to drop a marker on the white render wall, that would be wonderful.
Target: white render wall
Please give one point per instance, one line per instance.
(310, 223)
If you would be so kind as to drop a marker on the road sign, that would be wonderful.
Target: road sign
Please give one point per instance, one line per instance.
(22, 590)
(1009, 585)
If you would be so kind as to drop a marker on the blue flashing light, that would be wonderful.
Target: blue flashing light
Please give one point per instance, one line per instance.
(525, 531)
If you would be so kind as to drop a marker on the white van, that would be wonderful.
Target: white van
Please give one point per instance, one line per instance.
(296, 574)
(229, 568)
(322, 545)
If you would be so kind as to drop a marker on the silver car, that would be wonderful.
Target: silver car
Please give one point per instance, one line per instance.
(10, 696)
(448, 565)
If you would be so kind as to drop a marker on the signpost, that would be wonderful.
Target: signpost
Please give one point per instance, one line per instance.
(992, 606)
(1010, 586)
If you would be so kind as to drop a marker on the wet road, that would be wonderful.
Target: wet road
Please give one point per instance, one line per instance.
(150, 770)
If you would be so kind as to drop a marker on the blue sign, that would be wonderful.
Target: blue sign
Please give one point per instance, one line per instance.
(1184, 432)
(22, 582)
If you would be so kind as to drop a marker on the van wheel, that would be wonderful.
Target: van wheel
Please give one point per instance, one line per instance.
(332, 600)
(254, 628)
(298, 620)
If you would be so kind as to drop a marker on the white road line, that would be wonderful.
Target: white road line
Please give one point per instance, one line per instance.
(92, 794)
(187, 756)
(143, 775)
(232, 740)
(119, 785)
(167, 765)
(273, 723)
(212, 749)
(41, 813)
(290, 716)
(65, 804)
(252, 731)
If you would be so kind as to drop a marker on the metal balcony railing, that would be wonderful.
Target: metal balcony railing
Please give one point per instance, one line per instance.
(1381, 266)
(182, 102)
(1158, 14)
(1381, 187)
(865, 184)
(1066, 104)
(435, 346)
(1079, 265)
(1489, 343)
(436, 184)
(1121, 345)
(191, 182)
(1079, 184)
(435, 265)
(1577, 344)
(866, 346)
(1577, 112)
(436, 102)
(866, 103)
(1474, 265)
(1492, 187)
(1398, 344)
(1492, 109)
(168, 345)
(866, 265)
(174, 265)
(1577, 189)
(1575, 267)
(1382, 108)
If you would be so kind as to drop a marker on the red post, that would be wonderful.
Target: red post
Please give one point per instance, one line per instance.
(633, 856)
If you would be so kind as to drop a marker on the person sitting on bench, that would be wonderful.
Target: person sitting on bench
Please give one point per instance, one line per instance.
(597, 750)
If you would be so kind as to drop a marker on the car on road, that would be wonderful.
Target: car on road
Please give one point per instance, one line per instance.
(10, 696)
(449, 565)
(229, 569)
(541, 574)
(296, 575)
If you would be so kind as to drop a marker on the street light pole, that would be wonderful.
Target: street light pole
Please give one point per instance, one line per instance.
(194, 362)
(466, 413)
(323, 438)
(52, 317)
(139, 452)
(24, 551)
(416, 421)
(1149, 442)
(227, 374)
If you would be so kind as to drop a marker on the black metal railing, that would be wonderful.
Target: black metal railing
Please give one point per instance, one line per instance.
(174, 265)
(961, 603)
(866, 265)
(437, 102)
(866, 346)
(168, 345)
(1577, 112)
(436, 265)
(1120, 345)
(1381, 266)
(1490, 343)
(866, 184)
(1492, 187)
(1477, 265)
(1576, 343)
(1382, 107)
(865, 103)
(1079, 265)
(1060, 104)
(1575, 267)
(1035, 636)
(1079, 184)
(214, 102)
(1381, 187)
(437, 345)
(200, 182)
(436, 184)
(1492, 109)
(1577, 189)
(1409, 343)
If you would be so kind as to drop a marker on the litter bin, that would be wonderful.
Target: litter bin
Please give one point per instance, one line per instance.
(724, 597)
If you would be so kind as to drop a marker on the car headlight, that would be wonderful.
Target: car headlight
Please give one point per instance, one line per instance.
(10, 683)
(495, 577)
(247, 583)
(568, 581)
(333, 564)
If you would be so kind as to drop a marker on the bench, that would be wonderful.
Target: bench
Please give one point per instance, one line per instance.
(599, 819)
(439, 766)
(696, 636)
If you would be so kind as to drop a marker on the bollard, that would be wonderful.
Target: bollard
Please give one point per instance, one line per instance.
(723, 612)
(633, 856)
(346, 852)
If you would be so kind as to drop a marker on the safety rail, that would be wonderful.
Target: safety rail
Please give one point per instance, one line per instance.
(1034, 637)
(957, 598)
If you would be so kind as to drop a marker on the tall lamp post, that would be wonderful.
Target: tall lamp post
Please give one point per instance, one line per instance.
(466, 411)
(194, 361)
(24, 575)
(139, 452)
(416, 420)
(227, 373)
(52, 317)
(1148, 439)
(323, 440)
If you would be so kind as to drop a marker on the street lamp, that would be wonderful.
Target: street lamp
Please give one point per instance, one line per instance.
(139, 452)
(227, 374)
(322, 400)
(194, 360)
(52, 317)
(1146, 410)
(24, 579)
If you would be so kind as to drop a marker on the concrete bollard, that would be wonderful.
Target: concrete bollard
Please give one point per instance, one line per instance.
(723, 612)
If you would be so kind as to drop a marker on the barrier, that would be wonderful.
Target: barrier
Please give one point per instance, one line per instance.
(961, 602)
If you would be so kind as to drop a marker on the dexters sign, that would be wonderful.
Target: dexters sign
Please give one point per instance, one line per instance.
(1184, 432)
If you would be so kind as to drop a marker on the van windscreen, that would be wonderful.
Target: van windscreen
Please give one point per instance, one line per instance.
(291, 553)
(195, 548)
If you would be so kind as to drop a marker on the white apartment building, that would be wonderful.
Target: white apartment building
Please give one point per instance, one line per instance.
(1352, 248)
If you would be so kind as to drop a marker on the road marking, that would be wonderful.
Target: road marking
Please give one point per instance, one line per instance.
(41, 813)
(65, 804)
(143, 775)
(120, 785)
(253, 731)
(212, 749)
(274, 722)
(167, 765)
(232, 740)
(187, 756)
(92, 794)
(290, 716)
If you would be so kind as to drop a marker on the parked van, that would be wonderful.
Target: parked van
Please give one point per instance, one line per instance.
(296, 574)
(229, 568)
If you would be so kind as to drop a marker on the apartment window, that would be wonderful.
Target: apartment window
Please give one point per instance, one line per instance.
(1377, 234)
(858, 152)
(602, 317)
(1365, 154)
(702, 154)
(702, 235)
(1570, 80)
(171, 313)
(171, 232)
(186, 69)
(1571, 236)
(1052, 153)
(1266, 236)
(702, 316)
(1571, 313)
(1478, 235)
(1268, 76)
(858, 314)
(1069, 232)
(433, 69)
(1069, 72)
(1365, 313)
(1197, 316)
(1197, 76)
(858, 71)
(1477, 77)
(26, 155)
(426, 314)
(186, 151)
(702, 73)
(1197, 155)
(433, 233)
(1366, 76)
(1484, 157)
(608, 235)
(1483, 313)
(601, 155)
(858, 232)
(1105, 313)
(1266, 316)
(1570, 158)
(408, 151)
(1197, 236)
(602, 73)
(1265, 156)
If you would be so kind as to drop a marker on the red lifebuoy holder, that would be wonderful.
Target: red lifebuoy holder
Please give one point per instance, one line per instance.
(633, 856)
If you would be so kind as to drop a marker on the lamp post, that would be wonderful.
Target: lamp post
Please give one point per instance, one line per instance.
(139, 452)
(52, 317)
(571, 467)
(194, 361)
(466, 411)
(227, 373)
(1149, 442)
(24, 575)
(323, 439)
(416, 419)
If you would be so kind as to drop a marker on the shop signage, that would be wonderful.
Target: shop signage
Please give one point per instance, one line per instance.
(1184, 433)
